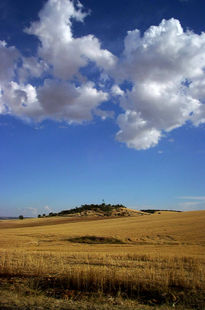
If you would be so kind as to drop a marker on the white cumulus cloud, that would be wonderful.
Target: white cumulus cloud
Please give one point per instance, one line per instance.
(21, 100)
(60, 56)
(136, 132)
(116, 91)
(166, 69)
(8, 57)
(64, 53)
(32, 67)
(65, 101)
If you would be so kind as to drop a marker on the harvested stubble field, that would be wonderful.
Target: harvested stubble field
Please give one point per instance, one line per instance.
(152, 261)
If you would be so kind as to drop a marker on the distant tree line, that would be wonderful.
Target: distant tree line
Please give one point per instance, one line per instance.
(157, 210)
(50, 214)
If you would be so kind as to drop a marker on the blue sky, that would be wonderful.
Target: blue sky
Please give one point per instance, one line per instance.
(101, 100)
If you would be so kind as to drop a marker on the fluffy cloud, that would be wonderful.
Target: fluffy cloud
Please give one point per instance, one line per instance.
(32, 67)
(61, 101)
(166, 69)
(59, 48)
(65, 101)
(116, 91)
(136, 132)
(21, 101)
(60, 56)
(8, 58)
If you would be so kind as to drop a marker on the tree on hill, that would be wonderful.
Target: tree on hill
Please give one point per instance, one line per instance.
(105, 208)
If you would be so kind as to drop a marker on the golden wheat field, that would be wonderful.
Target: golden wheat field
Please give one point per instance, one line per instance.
(153, 261)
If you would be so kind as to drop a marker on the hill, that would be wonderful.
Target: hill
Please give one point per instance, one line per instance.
(99, 210)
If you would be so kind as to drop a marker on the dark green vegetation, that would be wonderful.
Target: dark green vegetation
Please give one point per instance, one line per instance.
(152, 211)
(95, 240)
(105, 209)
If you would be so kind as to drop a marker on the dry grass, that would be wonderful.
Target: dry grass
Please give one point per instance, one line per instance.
(160, 258)
(22, 298)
